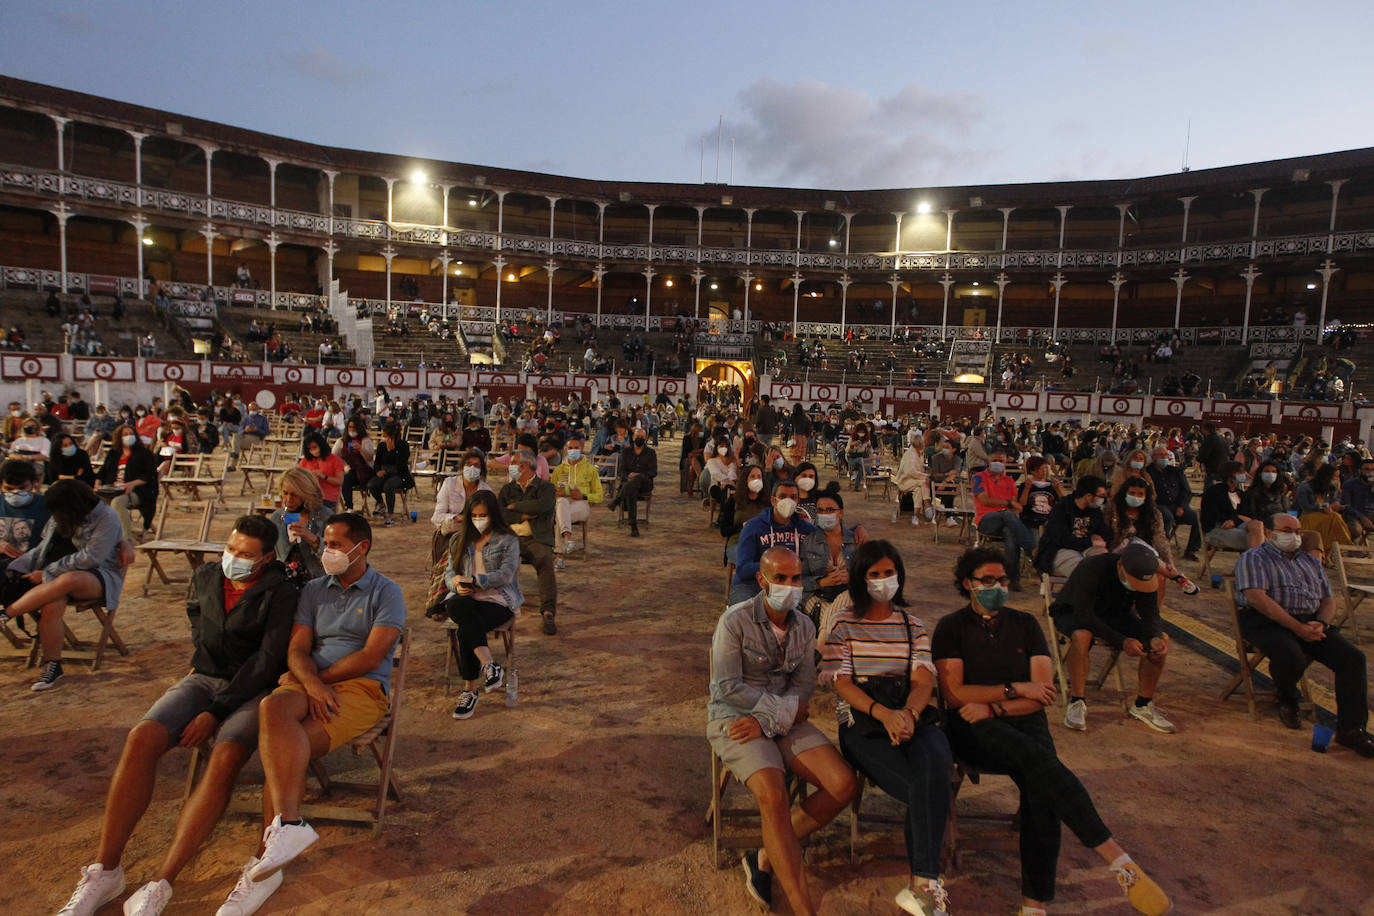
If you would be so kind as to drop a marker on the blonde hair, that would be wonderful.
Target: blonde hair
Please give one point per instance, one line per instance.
(305, 485)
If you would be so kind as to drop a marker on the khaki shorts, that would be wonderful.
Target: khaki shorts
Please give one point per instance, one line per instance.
(361, 706)
(745, 758)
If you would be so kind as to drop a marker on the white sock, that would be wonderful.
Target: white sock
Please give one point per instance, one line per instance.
(1122, 861)
(1032, 910)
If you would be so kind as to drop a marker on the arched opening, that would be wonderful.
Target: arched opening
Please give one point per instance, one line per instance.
(728, 381)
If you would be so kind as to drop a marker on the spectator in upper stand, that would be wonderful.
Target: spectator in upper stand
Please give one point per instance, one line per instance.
(1075, 529)
(1212, 453)
(996, 512)
(243, 278)
(1223, 524)
(1173, 497)
(1357, 498)
(782, 526)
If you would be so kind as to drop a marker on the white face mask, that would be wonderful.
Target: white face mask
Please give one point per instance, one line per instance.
(334, 561)
(472, 473)
(882, 589)
(827, 520)
(236, 568)
(755, 484)
(1287, 541)
(481, 523)
(129, 441)
(786, 506)
(806, 484)
(783, 597)
(722, 451)
(1135, 502)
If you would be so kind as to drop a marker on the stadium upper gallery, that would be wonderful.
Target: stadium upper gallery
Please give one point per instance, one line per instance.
(1242, 267)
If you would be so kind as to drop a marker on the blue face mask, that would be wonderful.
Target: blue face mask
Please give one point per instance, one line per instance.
(574, 454)
(236, 568)
(19, 498)
(993, 598)
(69, 450)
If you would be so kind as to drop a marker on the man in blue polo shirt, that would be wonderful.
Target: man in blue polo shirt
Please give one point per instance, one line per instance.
(335, 689)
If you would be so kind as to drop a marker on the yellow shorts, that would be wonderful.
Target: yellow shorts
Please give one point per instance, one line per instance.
(361, 706)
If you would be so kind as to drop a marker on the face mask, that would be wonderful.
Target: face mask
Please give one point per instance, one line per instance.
(19, 498)
(129, 441)
(334, 561)
(722, 451)
(1287, 541)
(1040, 484)
(472, 474)
(777, 463)
(574, 454)
(69, 450)
(992, 598)
(1135, 502)
(755, 485)
(947, 452)
(786, 506)
(806, 484)
(354, 434)
(827, 520)
(236, 568)
(639, 441)
(1269, 477)
(1161, 463)
(1137, 465)
(481, 523)
(30, 431)
(1097, 503)
(1240, 480)
(996, 467)
(783, 597)
(140, 412)
(882, 589)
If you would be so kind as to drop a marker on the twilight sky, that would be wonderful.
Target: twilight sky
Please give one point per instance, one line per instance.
(832, 95)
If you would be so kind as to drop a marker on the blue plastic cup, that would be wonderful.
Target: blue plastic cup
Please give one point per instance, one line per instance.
(414, 516)
(1216, 580)
(1321, 737)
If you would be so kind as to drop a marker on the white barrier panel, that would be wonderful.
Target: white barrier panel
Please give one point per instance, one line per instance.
(396, 378)
(437, 380)
(345, 378)
(293, 375)
(824, 394)
(1055, 402)
(1113, 405)
(239, 372)
(868, 395)
(1310, 411)
(1180, 409)
(161, 370)
(1026, 401)
(30, 366)
(95, 369)
(1240, 411)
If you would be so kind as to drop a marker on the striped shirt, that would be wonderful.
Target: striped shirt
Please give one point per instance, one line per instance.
(859, 649)
(1294, 580)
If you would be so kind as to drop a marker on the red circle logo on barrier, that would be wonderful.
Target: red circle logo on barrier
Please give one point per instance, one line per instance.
(293, 375)
(963, 396)
(448, 381)
(1176, 408)
(172, 372)
(1309, 411)
(103, 370)
(1015, 401)
(396, 379)
(824, 393)
(1239, 409)
(671, 386)
(1121, 405)
(346, 378)
(30, 367)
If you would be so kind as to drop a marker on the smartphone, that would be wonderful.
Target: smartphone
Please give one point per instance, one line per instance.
(290, 518)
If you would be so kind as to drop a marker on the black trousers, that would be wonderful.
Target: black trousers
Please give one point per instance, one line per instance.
(475, 619)
(1289, 657)
(629, 494)
(1022, 748)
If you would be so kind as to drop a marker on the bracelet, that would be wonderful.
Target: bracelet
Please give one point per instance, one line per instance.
(871, 704)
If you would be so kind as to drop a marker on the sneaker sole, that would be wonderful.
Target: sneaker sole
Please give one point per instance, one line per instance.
(262, 874)
(749, 885)
(488, 688)
(464, 715)
(1147, 721)
(42, 687)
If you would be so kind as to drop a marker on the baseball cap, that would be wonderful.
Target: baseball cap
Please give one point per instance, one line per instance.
(1139, 563)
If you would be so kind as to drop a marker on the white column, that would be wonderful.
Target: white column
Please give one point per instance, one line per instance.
(897, 239)
(1187, 208)
(140, 224)
(444, 261)
(61, 125)
(1006, 220)
(553, 205)
(210, 150)
(800, 214)
(63, 215)
(390, 185)
(208, 231)
(1002, 283)
(1328, 269)
(272, 243)
(1331, 227)
(1117, 281)
(500, 263)
(848, 220)
(1063, 224)
(444, 213)
(844, 301)
(1180, 278)
(947, 281)
(330, 176)
(601, 222)
(649, 273)
(697, 276)
(600, 273)
(330, 249)
(138, 155)
(701, 221)
(749, 228)
(1121, 231)
(1250, 274)
(389, 253)
(748, 278)
(796, 295)
(651, 208)
(1058, 281)
(949, 230)
(550, 266)
(895, 282)
(272, 181)
(1258, 194)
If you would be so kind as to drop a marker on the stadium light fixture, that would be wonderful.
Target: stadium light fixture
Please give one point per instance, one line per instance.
(975, 282)
(714, 286)
(923, 207)
(1311, 286)
(758, 287)
(417, 176)
(833, 243)
(668, 282)
(457, 262)
(472, 201)
(147, 240)
(510, 278)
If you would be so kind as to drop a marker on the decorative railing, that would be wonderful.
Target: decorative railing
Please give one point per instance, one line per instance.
(142, 198)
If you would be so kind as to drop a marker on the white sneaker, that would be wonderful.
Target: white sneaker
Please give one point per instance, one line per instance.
(930, 900)
(249, 895)
(96, 888)
(281, 843)
(951, 522)
(915, 521)
(896, 512)
(560, 563)
(930, 512)
(1076, 716)
(149, 899)
(1152, 716)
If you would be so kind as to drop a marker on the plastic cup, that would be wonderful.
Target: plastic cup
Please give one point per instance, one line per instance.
(1321, 737)
(414, 516)
(1216, 580)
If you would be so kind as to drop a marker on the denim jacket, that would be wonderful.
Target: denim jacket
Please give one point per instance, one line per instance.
(501, 559)
(754, 676)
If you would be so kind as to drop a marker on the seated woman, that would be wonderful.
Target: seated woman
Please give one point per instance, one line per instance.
(132, 467)
(997, 677)
(78, 559)
(327, 468)
(691, 462)
(1270, 493)
(1133, 465)
(913, 483)
(484, 593)
(808, 487)
(878, 658)
(1131, 515)
(300, 523)
(357, 450)
(723, 471)
(1039, 493)
(750, 499)
(826, 554)
(69, 462)
(859, 455)
(1319, 505)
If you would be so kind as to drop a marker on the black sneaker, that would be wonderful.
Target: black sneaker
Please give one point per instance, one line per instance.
(1289, 715)
(494, 676)
(758, 883)
(48, 680)
(1357, 739)
(467, 705)
(550, 628)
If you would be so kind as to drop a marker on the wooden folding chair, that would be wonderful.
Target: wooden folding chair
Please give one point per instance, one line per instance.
(1356, 574)
(194, 549)
(74, 650)
(1062, 644)
(959, 510)
(647, 499)
(505, 631)
(1250, 657)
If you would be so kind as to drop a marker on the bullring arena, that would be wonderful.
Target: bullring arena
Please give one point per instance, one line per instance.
(591, 793)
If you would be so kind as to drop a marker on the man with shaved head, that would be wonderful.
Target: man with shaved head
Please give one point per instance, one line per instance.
(1287, 611)
(763, 670)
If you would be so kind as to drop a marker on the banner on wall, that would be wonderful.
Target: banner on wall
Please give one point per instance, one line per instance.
(1026, 401)
(293, 375)
(355, 378)
(396, 378)
(95, 369)
(1057, 402)
(160, 370)
(1113, 405)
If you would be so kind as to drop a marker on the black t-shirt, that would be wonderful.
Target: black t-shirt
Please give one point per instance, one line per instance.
(994, 652)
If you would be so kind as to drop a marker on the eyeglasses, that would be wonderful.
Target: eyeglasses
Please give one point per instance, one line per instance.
(989, 581)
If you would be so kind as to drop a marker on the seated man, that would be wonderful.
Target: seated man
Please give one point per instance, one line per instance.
(240, 611)
(1357, 499)
(528, 502)
(758, 724)
(1114, 598)
(783, 526)
(1287, 612)
(1222, 524)
(996, 512)
(23, 514)
(1074, 529)
(1173, 498)
(577, 486)
(255, 427)
(339, 674)
(636, 468)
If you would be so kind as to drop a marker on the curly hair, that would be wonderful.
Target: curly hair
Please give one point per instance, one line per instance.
(970, 560)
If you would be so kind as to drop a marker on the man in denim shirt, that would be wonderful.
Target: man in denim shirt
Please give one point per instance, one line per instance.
(762, 673)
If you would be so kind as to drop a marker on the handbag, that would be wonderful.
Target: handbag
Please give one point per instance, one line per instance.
(888, 690)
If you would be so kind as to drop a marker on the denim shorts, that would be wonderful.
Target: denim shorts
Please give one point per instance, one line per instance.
(191, 696)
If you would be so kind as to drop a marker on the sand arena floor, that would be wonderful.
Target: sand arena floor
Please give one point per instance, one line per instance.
(589, 796)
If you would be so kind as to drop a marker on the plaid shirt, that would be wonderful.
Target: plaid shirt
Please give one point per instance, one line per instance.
(1294, 580)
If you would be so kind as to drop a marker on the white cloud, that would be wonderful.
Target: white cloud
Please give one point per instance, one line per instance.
(815, 134)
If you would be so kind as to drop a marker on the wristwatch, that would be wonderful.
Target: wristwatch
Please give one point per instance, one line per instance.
(1009, 691)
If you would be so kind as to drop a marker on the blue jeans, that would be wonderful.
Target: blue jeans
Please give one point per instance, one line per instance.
(917, 773)
(1016, 537)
